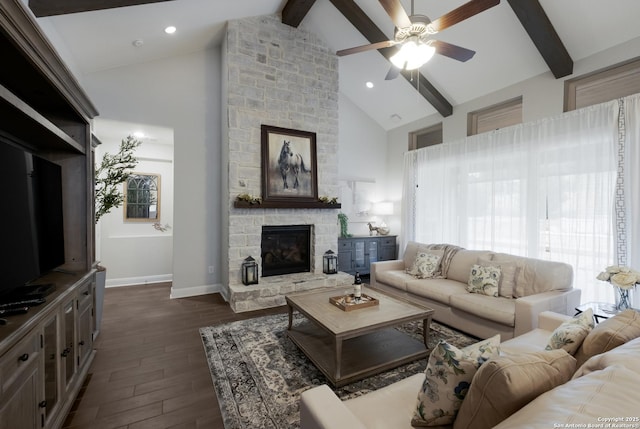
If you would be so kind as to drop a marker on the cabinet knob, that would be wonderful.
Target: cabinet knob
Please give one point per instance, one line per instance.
(66, 352)
(24, 357)
(85, 293)
(81, 343)
(43, 404)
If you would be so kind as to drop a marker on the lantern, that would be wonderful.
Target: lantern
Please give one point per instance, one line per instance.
(249, 271)
(329, 263)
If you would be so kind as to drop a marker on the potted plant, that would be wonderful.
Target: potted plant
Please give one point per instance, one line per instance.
(110, 173)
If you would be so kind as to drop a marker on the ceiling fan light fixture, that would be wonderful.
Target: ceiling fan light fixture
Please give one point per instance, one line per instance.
(412, 55)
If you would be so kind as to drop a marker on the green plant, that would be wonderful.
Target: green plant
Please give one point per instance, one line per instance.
(112, 171)
(343, 220)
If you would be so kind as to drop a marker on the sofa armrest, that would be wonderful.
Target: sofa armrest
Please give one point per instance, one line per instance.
(320, 408)
(529, 307)
(549, 320)
(376, 267)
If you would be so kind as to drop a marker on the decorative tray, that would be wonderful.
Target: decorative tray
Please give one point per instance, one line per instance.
(348, 302)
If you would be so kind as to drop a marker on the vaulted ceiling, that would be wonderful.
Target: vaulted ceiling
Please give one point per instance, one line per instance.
(514, 41)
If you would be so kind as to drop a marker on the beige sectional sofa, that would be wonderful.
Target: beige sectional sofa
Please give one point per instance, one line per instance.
(602, 390)
(539, 285)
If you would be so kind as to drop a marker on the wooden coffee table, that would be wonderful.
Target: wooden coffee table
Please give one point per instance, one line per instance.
(351, 345)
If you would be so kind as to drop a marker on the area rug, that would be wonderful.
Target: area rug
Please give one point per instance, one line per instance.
(258, 373)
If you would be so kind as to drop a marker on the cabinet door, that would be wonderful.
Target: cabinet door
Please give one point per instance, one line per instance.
(68, 349)
(51, 360)
(360, 261)
(372, 251)
(19, 408)
(85, 331)
(387, 249)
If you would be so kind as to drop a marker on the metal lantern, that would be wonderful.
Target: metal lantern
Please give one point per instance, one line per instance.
(329, 262)
(249, 271)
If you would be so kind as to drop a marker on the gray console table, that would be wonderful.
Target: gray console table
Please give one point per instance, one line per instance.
(357, 253)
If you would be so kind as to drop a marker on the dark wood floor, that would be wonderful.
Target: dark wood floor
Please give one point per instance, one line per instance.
(150, 369)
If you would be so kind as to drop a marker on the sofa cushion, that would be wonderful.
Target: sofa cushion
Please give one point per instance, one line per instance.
(571, 333)
(624, 355)
(426, 264)
(395, 278)
(447, 377)
(462, 261)
(610, 334)
(507, 383)
(439, 290)
(611, 392)
(508, 273)
(410, 252)
(537, 275)
(484, 280)
(500, 310)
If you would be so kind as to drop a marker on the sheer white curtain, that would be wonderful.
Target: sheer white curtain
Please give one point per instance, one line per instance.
(631, 177)
(543, 189)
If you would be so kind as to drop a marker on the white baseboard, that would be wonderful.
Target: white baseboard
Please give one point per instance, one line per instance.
(185, 292)
(130, 281)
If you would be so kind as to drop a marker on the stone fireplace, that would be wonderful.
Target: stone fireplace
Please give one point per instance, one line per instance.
(286, 77)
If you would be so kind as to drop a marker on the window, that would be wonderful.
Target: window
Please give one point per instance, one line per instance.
(425, 137)
(494, 117)
(142, 198)
(603, 85)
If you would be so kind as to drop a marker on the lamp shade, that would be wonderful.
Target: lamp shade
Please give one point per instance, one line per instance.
(383, 208)
(412, 55)
(249, 271)
(329, 262)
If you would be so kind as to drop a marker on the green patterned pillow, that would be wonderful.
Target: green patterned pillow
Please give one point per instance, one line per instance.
(425, 265)
(571, 333)
(447, 379)
(484, 279)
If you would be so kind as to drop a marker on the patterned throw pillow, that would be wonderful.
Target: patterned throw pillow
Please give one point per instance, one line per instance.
(508, 275)
(484, 280)
(425, 265)
(447, 379)
(571, 333)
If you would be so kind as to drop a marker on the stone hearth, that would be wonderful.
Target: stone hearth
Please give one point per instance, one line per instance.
(271, 290)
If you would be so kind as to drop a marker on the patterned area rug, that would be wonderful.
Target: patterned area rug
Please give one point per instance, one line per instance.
(259, 374)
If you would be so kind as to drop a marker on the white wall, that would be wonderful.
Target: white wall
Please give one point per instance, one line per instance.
(362, 154)
(181, 93)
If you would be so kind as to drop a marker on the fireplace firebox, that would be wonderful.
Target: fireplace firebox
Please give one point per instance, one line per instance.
(286, 249)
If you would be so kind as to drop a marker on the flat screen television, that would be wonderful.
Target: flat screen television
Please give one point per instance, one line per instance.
(31, 218)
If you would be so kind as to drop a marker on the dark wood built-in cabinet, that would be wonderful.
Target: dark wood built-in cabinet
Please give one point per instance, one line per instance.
(357, 253)
(45, 354)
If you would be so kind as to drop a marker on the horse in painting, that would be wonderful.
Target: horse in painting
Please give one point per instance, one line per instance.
(290, 163)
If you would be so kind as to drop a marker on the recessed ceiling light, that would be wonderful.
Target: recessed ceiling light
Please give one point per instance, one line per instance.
(395, 118)
(170, 29)
(369, 84)
(139, 135)
(137, 43)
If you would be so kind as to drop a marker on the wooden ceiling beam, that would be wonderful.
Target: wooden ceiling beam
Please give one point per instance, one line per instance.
(373, 34)
(536, 23)
(295, 10)
(42, 8)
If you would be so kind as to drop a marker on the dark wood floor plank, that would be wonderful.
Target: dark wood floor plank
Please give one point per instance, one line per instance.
(150, 370)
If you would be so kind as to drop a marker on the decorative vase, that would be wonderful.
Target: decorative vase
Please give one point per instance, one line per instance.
(624, 297)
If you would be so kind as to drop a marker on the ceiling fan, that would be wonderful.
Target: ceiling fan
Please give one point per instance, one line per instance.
(413, 34)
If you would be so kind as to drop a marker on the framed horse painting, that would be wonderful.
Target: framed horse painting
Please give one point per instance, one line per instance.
(289, 165)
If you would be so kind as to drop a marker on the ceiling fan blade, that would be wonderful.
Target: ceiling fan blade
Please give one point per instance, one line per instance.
(461, 13)
(364, 48)
(396, 12)
(453, 51)
(393, 73)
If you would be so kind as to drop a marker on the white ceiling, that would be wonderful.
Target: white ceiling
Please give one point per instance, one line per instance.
(505, 55)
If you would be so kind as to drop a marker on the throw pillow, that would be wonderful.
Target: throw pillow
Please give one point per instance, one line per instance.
(571, 333)
(508, 273)
(507, 383)
(447, 378)
(484, 280)
(426, 263)
(609, 334)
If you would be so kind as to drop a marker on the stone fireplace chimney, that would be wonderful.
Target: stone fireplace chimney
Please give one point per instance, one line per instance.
(282, 76)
